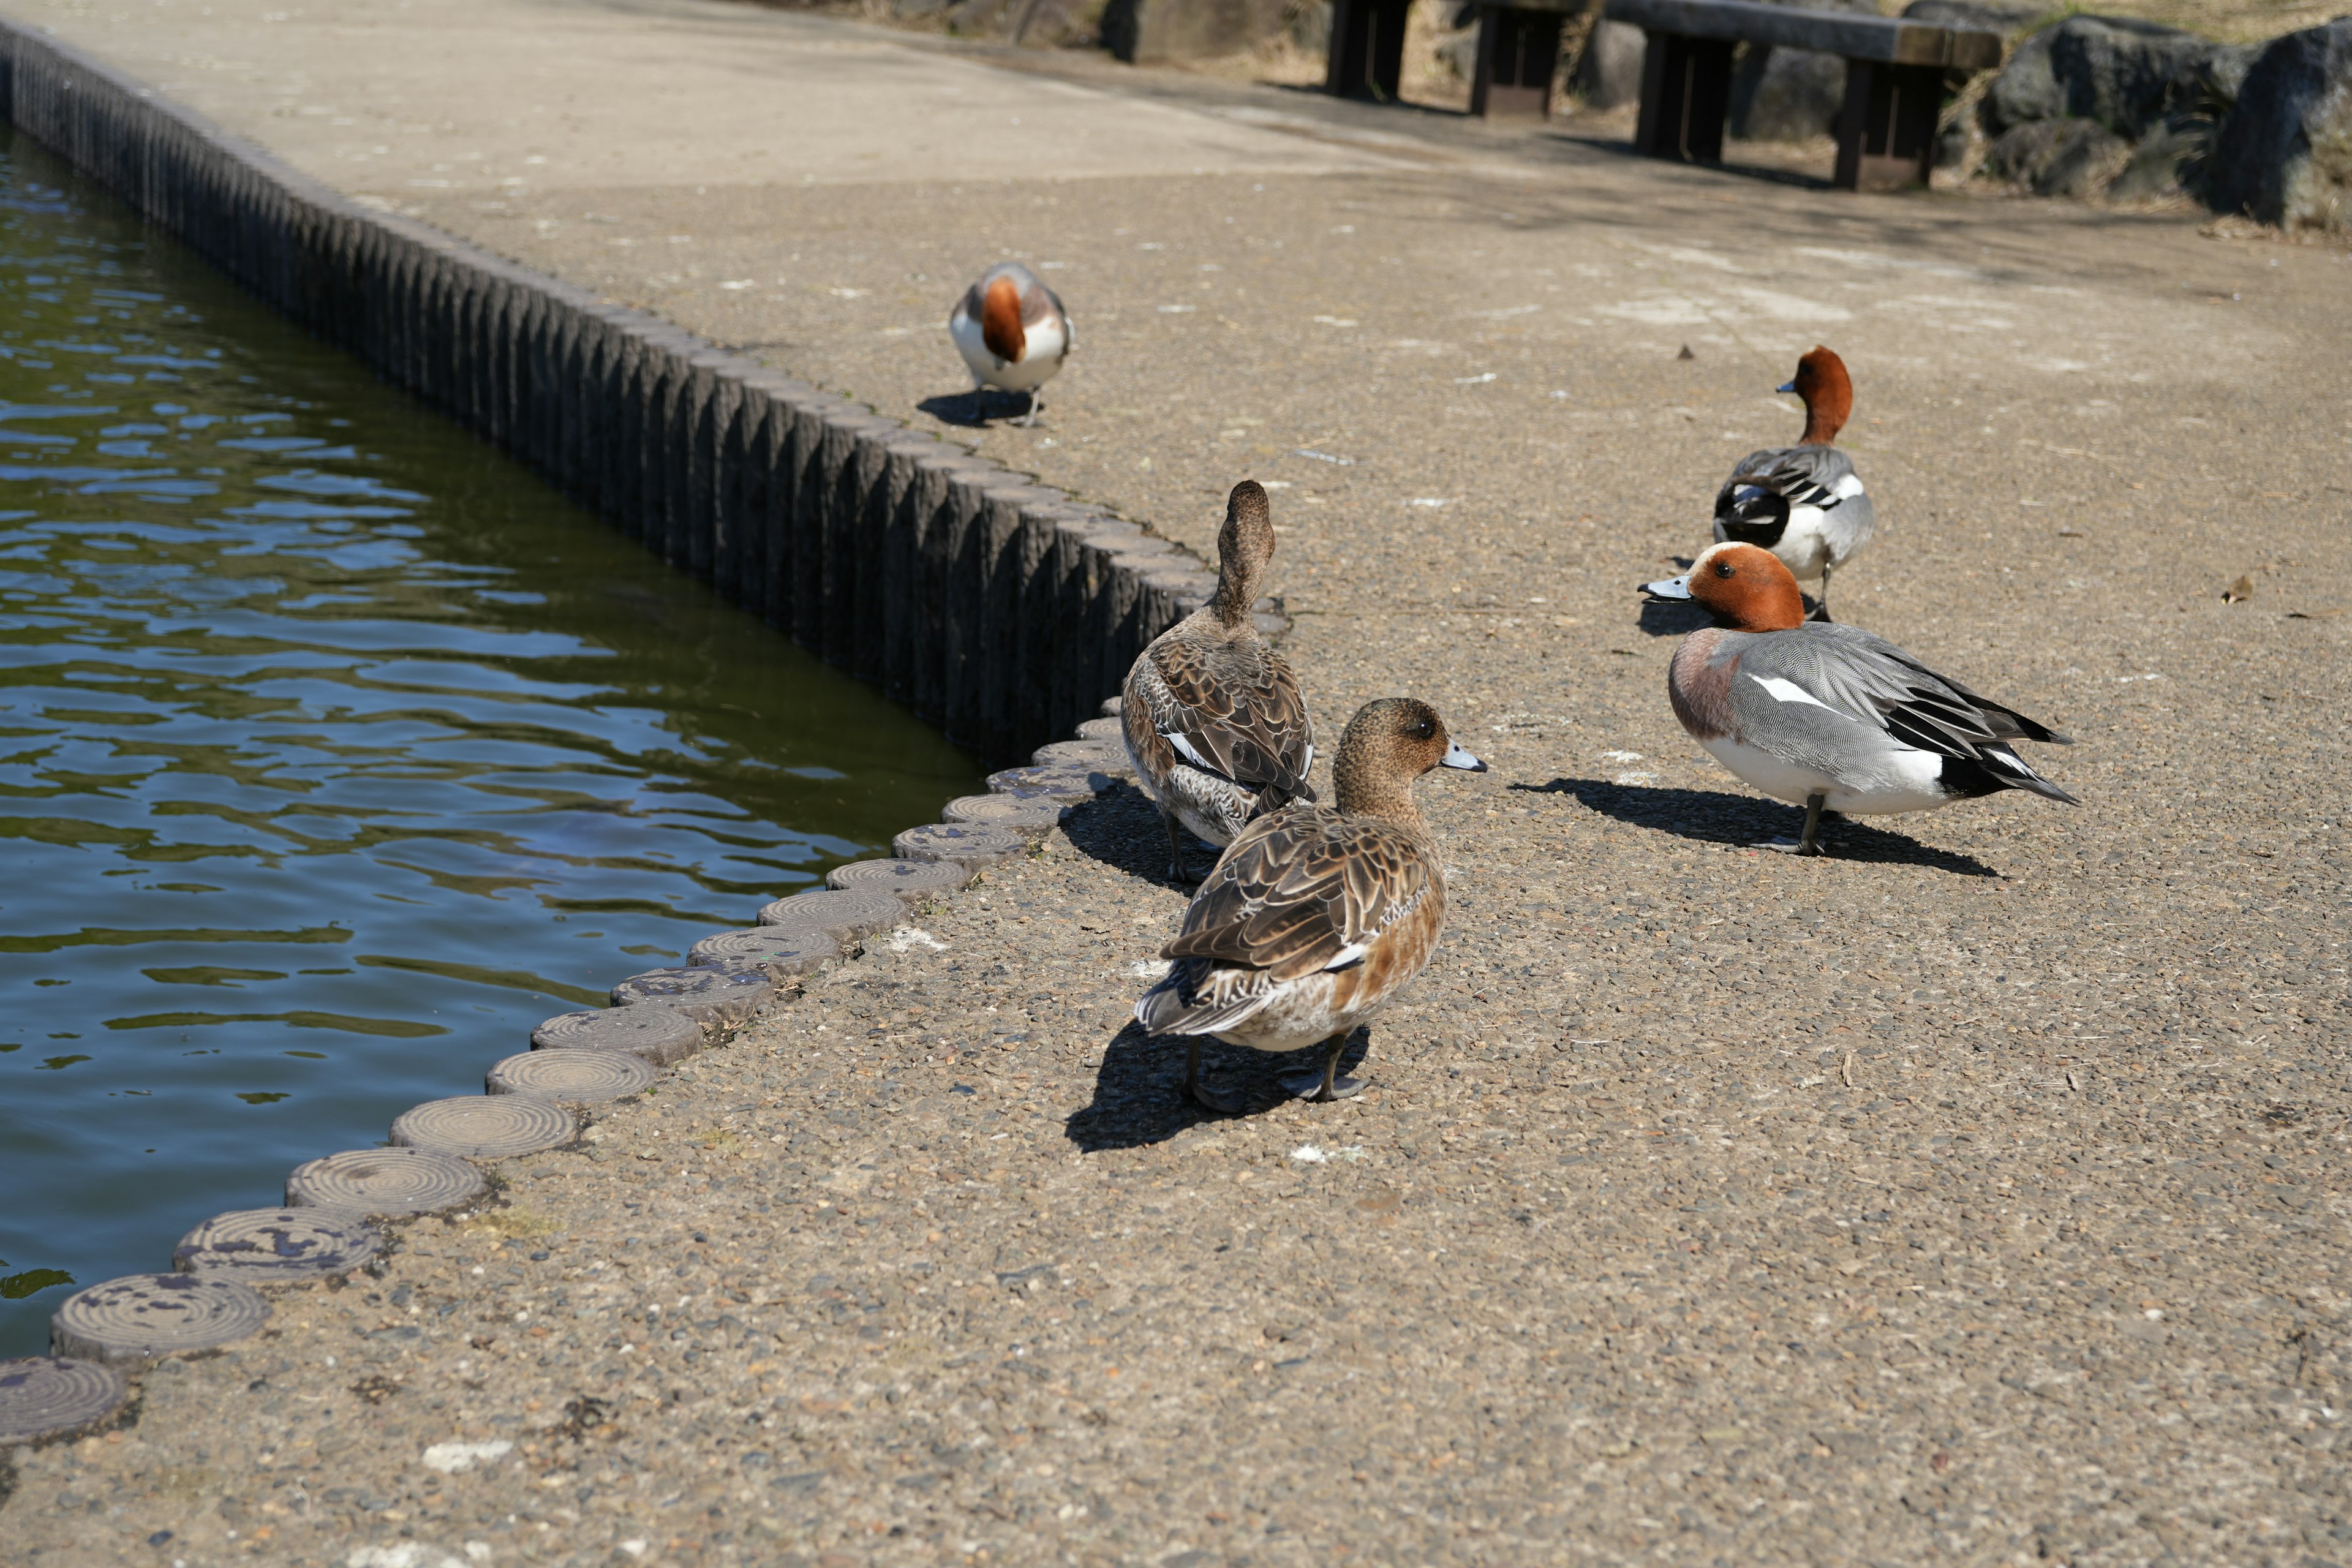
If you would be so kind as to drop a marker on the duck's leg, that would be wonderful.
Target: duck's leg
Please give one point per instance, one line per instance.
(1199, 1093)
(1324, 1085)
(1809, 841)
(1175, 848)
(1030, 418)
(1822, 599)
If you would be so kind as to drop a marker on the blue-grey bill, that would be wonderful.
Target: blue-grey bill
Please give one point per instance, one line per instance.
(1456, 757)
(1668, 588)
(1786, 386)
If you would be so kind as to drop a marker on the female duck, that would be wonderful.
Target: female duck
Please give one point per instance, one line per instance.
(1315, 918)
(1827, 716)
(1013, 333)
(1803, 503)
(1212, 716)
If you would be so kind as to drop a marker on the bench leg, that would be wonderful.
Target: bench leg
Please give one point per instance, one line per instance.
(1686, 94)
(1886, 131)
(1518, 55)
(1367, 57)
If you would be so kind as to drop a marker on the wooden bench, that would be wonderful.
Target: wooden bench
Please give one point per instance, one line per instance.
(1897, 71)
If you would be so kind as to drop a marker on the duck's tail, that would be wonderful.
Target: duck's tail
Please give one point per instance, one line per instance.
(1182, 1002)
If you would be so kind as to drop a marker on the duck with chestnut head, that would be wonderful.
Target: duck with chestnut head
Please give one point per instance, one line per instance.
(1805, 504)
(1830, 717)
(1318, 916)
(1013, 335)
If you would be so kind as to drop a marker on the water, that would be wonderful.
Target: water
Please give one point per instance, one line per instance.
(336, 750)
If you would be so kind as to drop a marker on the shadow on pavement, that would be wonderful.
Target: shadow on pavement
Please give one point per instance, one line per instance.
(1139, 1089)
(1714, 817)
(1671, 617)
(1121, 828)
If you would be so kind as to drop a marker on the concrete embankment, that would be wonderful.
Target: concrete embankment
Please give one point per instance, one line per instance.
(1974, 1193)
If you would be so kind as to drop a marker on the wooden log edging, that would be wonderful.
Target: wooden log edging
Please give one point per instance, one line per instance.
(998, 608)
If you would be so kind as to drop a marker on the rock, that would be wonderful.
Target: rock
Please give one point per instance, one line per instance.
(2059, 157)
(1609, 71)
(1458, 53)
(2283, 156)
(1791, 95)
(2156, 165)
(1144, 32)
(1310, 26)
(2129, 75)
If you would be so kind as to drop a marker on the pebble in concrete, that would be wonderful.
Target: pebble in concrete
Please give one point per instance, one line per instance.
(912, 881)
(845, 915)
(970, 847)
(263, 1248)
(572, 1078)
(142, 1318)
(766, 950)
(50, 1397)
(392, 1181)
(660, 1036)
(485, 1126)
(717, 999)
(1031, 813)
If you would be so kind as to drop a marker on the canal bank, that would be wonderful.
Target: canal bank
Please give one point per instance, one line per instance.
(1975, 1192)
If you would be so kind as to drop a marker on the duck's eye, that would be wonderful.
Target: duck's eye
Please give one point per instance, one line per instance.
(1724, 569)
(1424, 727)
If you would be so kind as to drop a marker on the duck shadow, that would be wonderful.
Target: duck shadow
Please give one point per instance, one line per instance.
(1671, 617)
(1139, 1096)
(1121, 828)
(958, 408)
(1715, 817)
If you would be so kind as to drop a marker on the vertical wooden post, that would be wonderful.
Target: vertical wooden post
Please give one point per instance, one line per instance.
(1887, 130)
(1367, 59)
(1686, 96)
(1518, 55)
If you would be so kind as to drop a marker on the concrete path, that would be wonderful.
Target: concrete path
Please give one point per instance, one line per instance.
(1979, 1194)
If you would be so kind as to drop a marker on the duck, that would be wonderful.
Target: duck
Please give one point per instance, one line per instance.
(1318, 916)
(1212, 717)
(1015, 335)
(1805, 504)
(1832, 717)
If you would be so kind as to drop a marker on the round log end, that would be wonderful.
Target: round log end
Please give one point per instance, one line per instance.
(391, 1182)
(572, 1078)
(485, 1126)
(44, 1396)
(265, 1248)
(144, 1318)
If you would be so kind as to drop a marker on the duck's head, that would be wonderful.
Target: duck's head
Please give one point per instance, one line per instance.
(1386, 746)
(1243, 547)
(1745, 588)
(1828, 392)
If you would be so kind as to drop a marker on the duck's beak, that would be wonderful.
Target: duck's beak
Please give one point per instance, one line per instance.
(1669, 588)
(1456, 757)
(1786, 386)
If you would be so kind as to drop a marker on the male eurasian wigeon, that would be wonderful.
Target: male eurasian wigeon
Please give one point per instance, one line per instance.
(1212, 716)
(1013, 333)
(1316, 917)
(1805, 504)
(1830, 716)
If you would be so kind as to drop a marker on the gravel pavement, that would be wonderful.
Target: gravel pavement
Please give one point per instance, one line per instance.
(1976, 1194)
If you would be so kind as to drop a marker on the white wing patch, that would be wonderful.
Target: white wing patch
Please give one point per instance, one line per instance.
(1848, 488)
(1351, 953)
(1790, 691)
(1184, 749)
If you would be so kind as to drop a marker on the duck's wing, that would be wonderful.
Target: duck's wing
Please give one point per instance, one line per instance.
(1758, 496)
(1867, 679)
(1039, 303)
(1235, 709)
(974, 300)
(1304, 889)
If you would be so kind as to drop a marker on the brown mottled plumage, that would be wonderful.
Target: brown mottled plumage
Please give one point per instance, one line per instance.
(1316, 917)
(1212, 716)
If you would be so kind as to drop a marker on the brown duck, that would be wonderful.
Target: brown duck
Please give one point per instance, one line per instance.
(1316, 917)
(1213, 719)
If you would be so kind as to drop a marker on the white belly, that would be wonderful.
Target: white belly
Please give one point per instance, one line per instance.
(1041, 355)
(1899, 779)
(1804, 547)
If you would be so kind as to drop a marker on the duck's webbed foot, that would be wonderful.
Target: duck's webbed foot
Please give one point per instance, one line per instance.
(1176, 872)
(1323, 1084)
(1219, 1100)
(1809, 842)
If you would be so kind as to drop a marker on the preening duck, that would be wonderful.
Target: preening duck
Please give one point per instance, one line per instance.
(1805, 504)
(1212, 716)
(1316, 917)
(1828, 716)
(1013, 333)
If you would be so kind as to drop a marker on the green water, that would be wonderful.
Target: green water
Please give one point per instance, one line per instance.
(336, 750)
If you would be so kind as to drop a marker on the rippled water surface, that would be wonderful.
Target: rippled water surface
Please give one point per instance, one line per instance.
(336, 750)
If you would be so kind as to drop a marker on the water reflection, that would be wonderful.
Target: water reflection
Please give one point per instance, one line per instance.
(335, 752)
